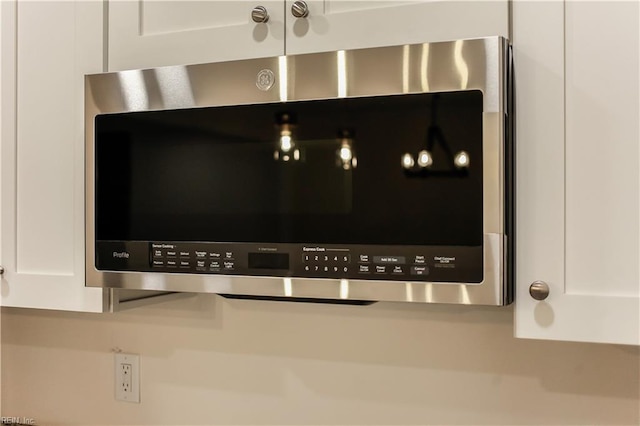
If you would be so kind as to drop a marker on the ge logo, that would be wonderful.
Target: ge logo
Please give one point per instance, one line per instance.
(265, 79)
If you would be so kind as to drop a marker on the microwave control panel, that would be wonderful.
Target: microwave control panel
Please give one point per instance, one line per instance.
(368, 262)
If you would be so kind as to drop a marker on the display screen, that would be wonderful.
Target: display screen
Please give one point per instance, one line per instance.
(268, 260)
(338, 171)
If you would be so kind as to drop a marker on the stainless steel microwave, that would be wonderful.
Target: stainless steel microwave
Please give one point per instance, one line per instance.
(381, 174)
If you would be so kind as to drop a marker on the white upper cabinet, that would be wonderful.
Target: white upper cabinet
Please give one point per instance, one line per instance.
(151, 33)
(578, 161)
(46, 51)
(154, 33)
(339, 24)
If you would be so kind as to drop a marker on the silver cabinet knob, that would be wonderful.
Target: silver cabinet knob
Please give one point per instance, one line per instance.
(259, 15)
(539, 290)
(299, 9)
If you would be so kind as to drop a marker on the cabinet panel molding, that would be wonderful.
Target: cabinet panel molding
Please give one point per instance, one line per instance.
(336, 24)
(562, 209)
(148, 34)
(47, 47)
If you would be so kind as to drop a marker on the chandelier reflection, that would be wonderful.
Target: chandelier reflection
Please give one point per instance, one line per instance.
(407, 161)
(286, 147)
(461, 160)
(345, 155)
(423, 162)
(425, 159)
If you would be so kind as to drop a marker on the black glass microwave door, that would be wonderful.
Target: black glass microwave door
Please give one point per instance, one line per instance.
(226, 174)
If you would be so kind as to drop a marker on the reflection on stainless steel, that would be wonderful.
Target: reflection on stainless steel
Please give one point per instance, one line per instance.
(288, 287)
(342, 73)
(154, 280)
(424, 68)
(133, 90)
(284, 76)
(464, 295)
(408, 288)
(175, 87)
(232, 83)
(406, 56)
(461, 64)
(344, 289)
(480, 65)
(428, 294)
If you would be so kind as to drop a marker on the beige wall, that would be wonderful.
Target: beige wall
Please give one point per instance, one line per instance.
(206, 360)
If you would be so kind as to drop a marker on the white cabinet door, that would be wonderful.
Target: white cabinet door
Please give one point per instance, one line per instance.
(339, 24)
(153, 33)
(46, 51)
(578, 180)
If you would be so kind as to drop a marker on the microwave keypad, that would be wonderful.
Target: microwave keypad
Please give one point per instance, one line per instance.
(325, 263)
(394, 265)
(187, 260)
(385, 263)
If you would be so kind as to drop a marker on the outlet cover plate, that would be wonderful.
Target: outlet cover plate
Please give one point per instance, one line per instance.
(127, 377)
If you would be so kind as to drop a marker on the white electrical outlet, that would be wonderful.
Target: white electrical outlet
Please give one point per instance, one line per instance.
(127, 377)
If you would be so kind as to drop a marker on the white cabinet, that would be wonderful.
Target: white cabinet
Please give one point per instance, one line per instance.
(47, 47)
(152, 33)
(578, 161)
(340, 24)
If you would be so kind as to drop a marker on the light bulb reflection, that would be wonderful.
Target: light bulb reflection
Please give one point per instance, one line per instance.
(346, 157)
(407, 161)
(285, 141)
(461, 160)
(345, 153)
(286, 149)
(424, 158)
